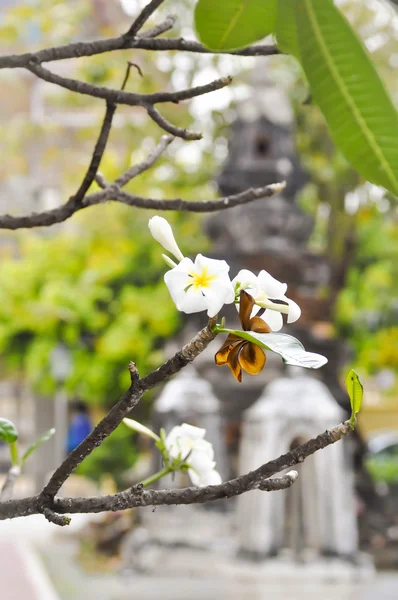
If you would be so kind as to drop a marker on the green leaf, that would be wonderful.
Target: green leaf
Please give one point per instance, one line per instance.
(286, 28)
(345, 84)
(289, 348)
(42, 439)
(8, 431)
(233, 24)
(355, 392)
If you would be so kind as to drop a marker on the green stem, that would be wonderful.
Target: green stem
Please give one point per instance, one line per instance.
(156, 476)
(14, 453)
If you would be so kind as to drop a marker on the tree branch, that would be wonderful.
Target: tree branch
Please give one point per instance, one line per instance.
(97, 156)
(146, 164)
(117, 413)
(142, 18)
(121, 96)
(167, 24)
(137, 496)
(113, 193)
(92, 48)
(185, 134)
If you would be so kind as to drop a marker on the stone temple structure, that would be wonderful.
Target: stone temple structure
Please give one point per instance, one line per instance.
(262, 536)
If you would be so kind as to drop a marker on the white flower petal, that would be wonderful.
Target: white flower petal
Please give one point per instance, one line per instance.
(204, 447)
(208, 478)
(245, 278)
(213, 265)
(218, 294)
(294, 311)
(273, 318)
(192, 301)
(271, 286)
(192, 432)
(162, 232)
(200, 462)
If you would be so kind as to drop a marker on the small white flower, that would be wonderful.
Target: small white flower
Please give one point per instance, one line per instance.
(162, 232)
(187, 443)
(268, 293)
(200, 285)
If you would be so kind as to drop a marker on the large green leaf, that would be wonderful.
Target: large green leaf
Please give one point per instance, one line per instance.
(42, 439)
(289, 348)
(231, 24)
(8, 431)
(355, 392)
(286, 28)
(345, 84)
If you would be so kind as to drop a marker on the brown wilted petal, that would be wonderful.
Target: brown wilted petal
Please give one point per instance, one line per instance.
(258, 325)
(246, 304)
(233, 362)
(252, 359)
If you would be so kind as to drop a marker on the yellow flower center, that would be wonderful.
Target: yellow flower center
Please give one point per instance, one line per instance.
(202, 279)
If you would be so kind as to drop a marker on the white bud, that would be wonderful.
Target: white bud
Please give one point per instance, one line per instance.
(163, 233)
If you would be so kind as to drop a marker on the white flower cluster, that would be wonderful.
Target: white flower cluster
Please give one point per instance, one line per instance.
(204, 284)
(186, 443)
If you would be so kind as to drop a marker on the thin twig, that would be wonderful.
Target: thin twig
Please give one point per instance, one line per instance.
(97, 155)
(123, 97)
(112, 193)
(100, 179)
(142, 18)
(136, 496)
(185, 134)
(92, 48)
(146, 164)
(167, 24)
(127, 74)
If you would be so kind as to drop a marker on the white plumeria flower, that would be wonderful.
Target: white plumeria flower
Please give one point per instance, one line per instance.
(162, 232)
(200, 285)
(268, 293)
(186, 442)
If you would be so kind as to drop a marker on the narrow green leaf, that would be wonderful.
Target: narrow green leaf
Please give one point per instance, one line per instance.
(289, 348)
(286, 28)
(42, 439)
(232, 24)
(355, 392)
(345, 84)
(8, 431)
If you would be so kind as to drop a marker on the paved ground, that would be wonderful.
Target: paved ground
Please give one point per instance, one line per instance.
(73, 584)
(22, 576)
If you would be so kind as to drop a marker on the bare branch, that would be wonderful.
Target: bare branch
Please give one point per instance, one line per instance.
(197, 206)
(137, 496)
(142, 18)
(127, 74)
(80, 49)
(122, 97)
(97, 156)
(113, 193)
(167, 24)
(146, 164)
(117, 413)
(185, 134)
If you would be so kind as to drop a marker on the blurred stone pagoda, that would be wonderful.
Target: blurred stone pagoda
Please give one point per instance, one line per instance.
(263, 535)
(272, 234)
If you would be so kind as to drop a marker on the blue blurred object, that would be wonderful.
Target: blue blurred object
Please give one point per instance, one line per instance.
(79, 427)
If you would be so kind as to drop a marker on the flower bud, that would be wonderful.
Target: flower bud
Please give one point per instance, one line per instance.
(163, 233)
